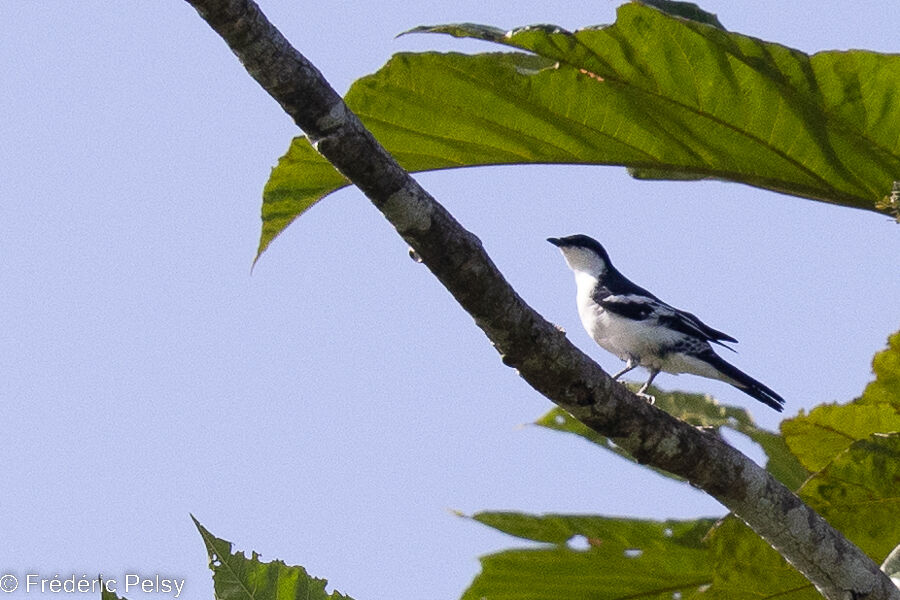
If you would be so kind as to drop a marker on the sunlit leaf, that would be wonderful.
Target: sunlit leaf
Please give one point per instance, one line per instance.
(855, 486)
(236, 577)
(859, 494)
(816, 438)
(669, 97)
(886, 365)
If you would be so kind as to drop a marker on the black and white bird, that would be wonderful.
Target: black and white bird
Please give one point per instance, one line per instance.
(644, 331)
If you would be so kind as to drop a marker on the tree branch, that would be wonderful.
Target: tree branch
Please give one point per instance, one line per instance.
(539, 352)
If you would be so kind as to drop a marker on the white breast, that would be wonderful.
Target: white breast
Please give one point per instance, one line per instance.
(626, 338)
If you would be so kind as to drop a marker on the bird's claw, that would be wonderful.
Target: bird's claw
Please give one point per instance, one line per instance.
(650, 399)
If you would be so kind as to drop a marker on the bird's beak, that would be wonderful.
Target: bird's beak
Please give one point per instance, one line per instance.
(555, 241)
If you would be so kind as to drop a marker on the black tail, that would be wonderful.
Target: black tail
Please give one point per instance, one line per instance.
(745, 383)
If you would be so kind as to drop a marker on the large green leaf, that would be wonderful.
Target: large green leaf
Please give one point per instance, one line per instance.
(595, 558)
(703, 411)
(747, 568)
(855, 455)
(600, 557)
(858, 493)
(669, 96)
(236, 577)
(817, 438)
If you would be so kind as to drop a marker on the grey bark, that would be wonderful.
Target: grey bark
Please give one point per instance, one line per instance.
(539, 352)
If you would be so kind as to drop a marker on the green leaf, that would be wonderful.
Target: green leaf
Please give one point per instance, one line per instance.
(301, 179)
(747, 568)
(886, 365)
(859, 494)
(781, 463)
(686, 10)
(828, 430)
(703, 411)
(666, 96)
(106, 594)
(816, 438)
(594, 558)
(559, 420)
(855, 486)
(236, 577)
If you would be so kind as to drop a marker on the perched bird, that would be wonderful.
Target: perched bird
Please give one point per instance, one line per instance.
(644, 331)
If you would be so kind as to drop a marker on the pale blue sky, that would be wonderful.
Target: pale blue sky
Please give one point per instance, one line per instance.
(329, 408)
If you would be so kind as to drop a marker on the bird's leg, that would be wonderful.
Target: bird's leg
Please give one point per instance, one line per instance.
(631, 364)
(640, 392)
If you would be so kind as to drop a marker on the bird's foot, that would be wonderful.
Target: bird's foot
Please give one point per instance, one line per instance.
(642, 392)
(650, 399)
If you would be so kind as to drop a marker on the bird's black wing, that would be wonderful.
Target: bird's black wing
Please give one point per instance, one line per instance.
(623, 297)
(630, 306)
(689, 324)
(639, 307)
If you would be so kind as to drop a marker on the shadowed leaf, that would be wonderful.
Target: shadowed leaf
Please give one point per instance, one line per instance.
(703, 411)
(747, 568)
(596, 558)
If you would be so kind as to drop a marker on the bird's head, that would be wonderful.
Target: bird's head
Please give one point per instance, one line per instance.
(583, 254)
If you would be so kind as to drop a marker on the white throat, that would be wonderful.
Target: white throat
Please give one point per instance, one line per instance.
(584, 261)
